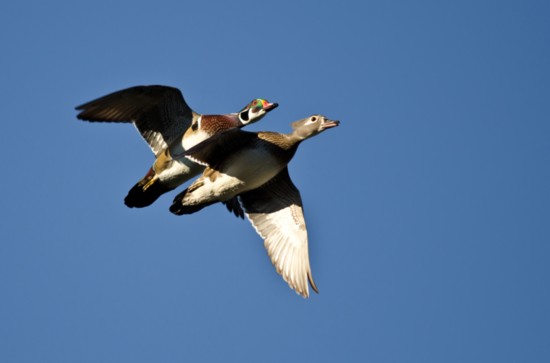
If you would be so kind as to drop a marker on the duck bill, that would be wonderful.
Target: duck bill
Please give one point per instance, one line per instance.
(270, 106)
(328, 124)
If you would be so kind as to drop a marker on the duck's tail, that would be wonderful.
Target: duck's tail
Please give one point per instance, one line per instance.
(146, 191)
(179, 208)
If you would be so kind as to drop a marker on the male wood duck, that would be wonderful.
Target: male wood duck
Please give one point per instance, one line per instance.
(170, 127)
(249, 170)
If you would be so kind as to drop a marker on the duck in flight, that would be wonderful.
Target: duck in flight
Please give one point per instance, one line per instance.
(170, 127)
(248, 172)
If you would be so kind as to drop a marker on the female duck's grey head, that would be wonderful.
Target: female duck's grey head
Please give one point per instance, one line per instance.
(312, 126)
(255, 110)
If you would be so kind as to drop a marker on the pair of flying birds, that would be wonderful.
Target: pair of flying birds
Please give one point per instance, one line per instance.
(247, 171)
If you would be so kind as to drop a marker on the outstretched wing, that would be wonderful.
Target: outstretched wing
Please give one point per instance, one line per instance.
(160, 113)
(275, 211)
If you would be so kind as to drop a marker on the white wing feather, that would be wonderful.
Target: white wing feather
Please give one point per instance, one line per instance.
(285, 239)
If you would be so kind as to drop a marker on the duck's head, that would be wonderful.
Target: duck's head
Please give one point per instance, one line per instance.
(312, 126)
(255, 110)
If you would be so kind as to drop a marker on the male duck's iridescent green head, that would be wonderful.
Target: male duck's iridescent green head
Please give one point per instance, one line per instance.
(255, 110)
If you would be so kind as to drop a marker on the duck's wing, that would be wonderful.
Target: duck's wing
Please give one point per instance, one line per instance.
(216, 148)
(275, 211)
(160, 113)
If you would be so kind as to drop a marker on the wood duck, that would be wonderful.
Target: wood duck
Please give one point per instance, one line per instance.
(170, 127)
(248, 172)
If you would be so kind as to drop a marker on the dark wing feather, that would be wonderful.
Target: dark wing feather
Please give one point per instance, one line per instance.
(213, 150)
(276, 194)
(160, 113)
(234, 207)
(275, 210)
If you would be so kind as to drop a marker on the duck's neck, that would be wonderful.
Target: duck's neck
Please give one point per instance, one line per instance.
(295, 138)
(282, 141)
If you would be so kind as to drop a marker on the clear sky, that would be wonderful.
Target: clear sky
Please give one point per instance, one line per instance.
(427, 209)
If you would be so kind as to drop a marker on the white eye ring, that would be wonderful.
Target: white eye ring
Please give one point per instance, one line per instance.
(312, 120)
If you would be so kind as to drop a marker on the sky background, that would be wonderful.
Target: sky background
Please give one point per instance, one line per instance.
(427, 209)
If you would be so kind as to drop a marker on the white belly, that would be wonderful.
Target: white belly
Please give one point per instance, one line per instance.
(179, 172)
(176, 169)
(240, 173)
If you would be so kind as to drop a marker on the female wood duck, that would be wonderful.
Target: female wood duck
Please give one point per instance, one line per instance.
(170, 127)
(249, 170)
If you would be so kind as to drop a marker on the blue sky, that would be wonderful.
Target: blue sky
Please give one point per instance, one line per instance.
(427, 209)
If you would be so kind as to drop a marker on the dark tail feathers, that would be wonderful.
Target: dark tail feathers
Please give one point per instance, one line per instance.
(139, 197)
